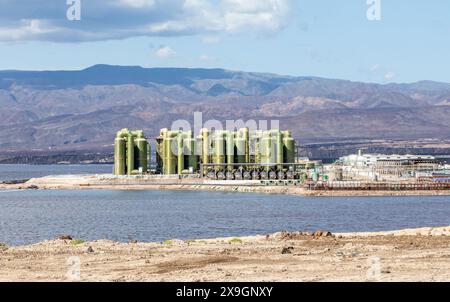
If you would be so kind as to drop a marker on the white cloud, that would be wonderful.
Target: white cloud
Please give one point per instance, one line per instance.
(165, 52)
(389, 76)
(137, 3)
(264, 15)
(375, 68)
(205, 58)
(382, 73)
(26, 29)
(119, 19)
(210, 40)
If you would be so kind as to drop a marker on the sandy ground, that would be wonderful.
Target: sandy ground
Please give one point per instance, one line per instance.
(409, 255)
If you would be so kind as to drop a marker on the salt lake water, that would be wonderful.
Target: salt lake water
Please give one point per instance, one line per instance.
(32, 216)
(19, 172)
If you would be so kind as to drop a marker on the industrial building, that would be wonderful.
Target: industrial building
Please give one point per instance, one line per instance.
(227, 155)
(131, 153)
(220, 155)
(264, 158)
(379, 167)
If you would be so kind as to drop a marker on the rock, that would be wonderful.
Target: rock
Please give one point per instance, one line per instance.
(90, 249)
(14, 182)
(320, 233)
(134, 241)
(287, 250)
(65, 237)
(289, 235)
(33, 187)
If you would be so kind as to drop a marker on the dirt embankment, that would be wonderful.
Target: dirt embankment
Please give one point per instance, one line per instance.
(106, 182)
(410, 255)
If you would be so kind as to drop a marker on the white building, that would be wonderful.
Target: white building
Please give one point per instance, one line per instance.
(386, 167)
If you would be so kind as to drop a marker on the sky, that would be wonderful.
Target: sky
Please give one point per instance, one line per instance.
(379, 41)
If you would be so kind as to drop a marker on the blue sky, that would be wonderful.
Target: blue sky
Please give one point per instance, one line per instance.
(326, 38)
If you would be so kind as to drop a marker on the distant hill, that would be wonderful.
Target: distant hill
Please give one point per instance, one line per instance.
(73, 110)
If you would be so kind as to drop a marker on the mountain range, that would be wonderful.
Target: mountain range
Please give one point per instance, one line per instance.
(82, 110)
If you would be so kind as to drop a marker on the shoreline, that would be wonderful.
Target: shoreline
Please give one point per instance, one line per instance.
(106, 182)
(405, 255)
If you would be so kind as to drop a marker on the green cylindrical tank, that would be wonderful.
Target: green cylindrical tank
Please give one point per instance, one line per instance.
(258, 140)
(279, 149)
(266, 150)
(289, 150)
(142, 147)
(169, 156)
(198, 145)
(149, 156)
(218, 150)
(257, 146)
(229, 136)
(159, 154)
(180, 153)
(192, 158)
(120, 161)
(160, 150)
(130, 154)
(141, 151)
(205, 146)
(246, 137)
(119, 156)
(240, 151)
(271, 150)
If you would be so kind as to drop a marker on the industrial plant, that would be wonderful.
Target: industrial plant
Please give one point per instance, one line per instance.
(131, 153)
(381, 167)
(266, 158)
(221, 155)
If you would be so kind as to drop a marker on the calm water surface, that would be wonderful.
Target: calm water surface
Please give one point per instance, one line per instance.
(33, 216)
(16, 172)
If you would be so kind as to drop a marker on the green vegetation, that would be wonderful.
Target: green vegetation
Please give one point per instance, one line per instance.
(77, 241)
(235, 241)
(167, 242)
(189, 242)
